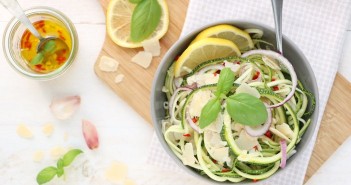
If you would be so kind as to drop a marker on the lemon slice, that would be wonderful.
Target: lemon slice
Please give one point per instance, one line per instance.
(118, 20)
(241, 38)
(203, 50)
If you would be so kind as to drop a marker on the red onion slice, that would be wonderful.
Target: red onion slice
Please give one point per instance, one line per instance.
(190, 122)
(286, 63)
(261, 129)
(171, 101)
(192, 86)
(283, 151)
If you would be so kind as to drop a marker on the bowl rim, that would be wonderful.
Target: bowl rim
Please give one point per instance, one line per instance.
(186, 37)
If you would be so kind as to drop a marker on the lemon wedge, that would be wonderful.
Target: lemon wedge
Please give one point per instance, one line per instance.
(118, 20)
(241, 38)
(203, 50)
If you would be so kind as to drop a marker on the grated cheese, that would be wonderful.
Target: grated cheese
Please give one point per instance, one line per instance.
(143, 59)
(152, 46)
(119, 78)
(38, 156)
(108, 64)
(24, 132)
(116, 172)
(57, 152)
(48, 129)
(129, 182)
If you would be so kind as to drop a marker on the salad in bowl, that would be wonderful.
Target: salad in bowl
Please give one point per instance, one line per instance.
(233, 108)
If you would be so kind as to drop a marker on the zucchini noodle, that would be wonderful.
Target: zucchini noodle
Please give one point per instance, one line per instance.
(224, 151)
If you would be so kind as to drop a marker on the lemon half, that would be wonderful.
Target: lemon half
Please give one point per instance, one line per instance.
(203, 50)
(118, 22)
(241, 38)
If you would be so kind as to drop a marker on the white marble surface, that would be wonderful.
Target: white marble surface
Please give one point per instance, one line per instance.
(125, 136)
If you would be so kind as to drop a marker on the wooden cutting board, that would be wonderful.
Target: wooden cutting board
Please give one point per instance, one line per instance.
(136, 87)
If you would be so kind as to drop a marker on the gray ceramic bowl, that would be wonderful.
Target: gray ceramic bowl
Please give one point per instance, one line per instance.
(291, 52)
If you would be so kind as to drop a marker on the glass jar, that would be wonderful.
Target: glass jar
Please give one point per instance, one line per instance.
(12, 42)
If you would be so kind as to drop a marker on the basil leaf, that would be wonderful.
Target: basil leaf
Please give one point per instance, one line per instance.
(46, 175)
(225, 82)
(38, 59)
(246, 109)
(49, 46)
(145, 18)
(60, 170)
(209, 112)
(135, 1)
(70, 156)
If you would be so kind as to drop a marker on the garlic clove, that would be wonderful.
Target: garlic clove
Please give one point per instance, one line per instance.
(90, 134)
(64, 108)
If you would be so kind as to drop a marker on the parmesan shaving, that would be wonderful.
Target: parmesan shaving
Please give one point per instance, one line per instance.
(24, 132)
(38, 156)
(119, 78)
(143, 59)
(234, 67)
(129, 182)
(108, 64)
(246, 142)
(152, 46)
(48, 129)
(286, 130)
(244, 88)
(203, 79)
(188, 154)
(57, 152)
(198, 101)
(116, 172)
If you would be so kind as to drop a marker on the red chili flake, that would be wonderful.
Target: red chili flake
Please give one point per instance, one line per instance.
(225, 170)
(27, 45)
(273, 79)
(176, 58)
(39, 67)
(223, 64)
(256, 148)
(254, 180)
(61, 59)
(257, 74)
(214, 161)
(217, 72)
(195, 119)
(44, 30)
(59, 31)
(28, 35)
(268, 134)
(186, 135)
(61, 37)
(275, 88)
(64, 51)
(39, 24)
(238, 63)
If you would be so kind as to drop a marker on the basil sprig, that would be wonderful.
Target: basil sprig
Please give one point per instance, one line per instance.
(243, 108)
(48, 173)
(145, 19)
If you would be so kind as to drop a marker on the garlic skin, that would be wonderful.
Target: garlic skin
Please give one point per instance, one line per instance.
(64, 108)
(90, 134)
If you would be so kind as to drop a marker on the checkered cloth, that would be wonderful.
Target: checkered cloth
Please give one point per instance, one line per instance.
(318, 28)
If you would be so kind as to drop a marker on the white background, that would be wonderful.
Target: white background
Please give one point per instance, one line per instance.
(124, 135)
